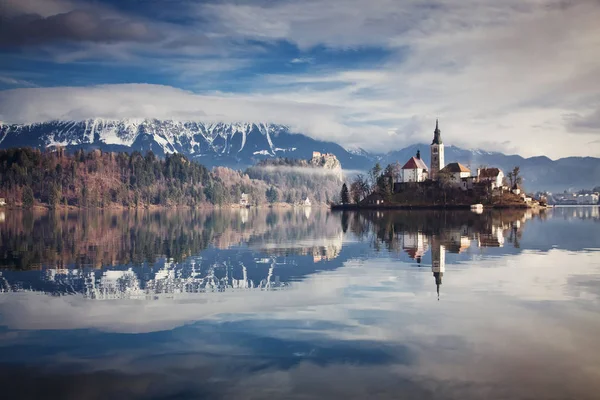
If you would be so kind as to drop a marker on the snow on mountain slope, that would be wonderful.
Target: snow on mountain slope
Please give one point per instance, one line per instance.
(190, 138)
(240, 145)
(228, 144)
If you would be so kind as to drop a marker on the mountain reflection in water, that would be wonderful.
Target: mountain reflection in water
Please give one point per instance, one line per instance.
(300, 304)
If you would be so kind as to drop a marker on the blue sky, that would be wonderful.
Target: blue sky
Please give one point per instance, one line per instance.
(519, 76)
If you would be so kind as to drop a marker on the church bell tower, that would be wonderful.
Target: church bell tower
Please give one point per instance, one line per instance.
(437, 153)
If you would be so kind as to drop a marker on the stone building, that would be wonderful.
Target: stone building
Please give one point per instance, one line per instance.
(437, 153)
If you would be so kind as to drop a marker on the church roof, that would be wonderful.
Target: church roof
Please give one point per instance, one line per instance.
(455, 167)
(415, 163)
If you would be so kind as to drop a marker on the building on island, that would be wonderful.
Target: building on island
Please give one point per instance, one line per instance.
(244, 200)
(437, 153)
(414, 170)
(2, 202)
(306, 202)
(493, 176)
(457, 175)
(454, 174)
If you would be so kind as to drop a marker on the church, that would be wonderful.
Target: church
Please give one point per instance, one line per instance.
(455, 174)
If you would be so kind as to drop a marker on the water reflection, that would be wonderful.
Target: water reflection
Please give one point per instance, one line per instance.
(149, 255)
(280, 304)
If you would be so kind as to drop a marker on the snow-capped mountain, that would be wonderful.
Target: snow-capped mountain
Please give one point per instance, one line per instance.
(238, 144)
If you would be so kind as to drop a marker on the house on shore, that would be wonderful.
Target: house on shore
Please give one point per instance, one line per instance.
(244, 200)
(374, 198)
(2, 202)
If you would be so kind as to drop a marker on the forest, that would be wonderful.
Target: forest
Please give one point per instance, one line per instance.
(298, 179)
(30, 177)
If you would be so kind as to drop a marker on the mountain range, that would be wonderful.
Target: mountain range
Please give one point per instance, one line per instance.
(239, 145)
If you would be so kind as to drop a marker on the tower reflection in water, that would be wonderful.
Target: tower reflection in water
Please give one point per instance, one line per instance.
(151, 255)
(417, 234)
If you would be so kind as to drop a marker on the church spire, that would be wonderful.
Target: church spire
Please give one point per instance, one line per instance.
(437, 138)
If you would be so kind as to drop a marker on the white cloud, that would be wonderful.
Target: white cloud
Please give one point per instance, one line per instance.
(164, 102)
(499, 75)
(8, 80)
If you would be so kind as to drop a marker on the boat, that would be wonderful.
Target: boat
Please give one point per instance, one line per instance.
(477, 208)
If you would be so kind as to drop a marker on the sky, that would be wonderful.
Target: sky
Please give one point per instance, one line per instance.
(516, 76)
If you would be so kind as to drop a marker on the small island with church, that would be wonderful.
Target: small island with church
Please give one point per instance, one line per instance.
(414, 185)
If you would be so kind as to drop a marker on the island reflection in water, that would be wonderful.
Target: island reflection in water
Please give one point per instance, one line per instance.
(300, 304)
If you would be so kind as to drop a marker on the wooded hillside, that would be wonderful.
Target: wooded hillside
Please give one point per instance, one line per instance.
(101, 179)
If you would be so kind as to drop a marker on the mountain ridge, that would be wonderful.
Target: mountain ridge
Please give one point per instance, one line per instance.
(239, 145)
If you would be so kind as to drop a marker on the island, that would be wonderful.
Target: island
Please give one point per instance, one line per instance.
(451, 186)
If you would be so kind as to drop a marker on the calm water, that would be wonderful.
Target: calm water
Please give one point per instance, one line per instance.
(300, 304)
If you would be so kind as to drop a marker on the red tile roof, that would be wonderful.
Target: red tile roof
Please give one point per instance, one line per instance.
(455, 167)
(415, 163)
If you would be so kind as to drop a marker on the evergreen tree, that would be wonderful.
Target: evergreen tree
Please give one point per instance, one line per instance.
(27, 197)
(54, 195)
(272, 195)
(345, 194)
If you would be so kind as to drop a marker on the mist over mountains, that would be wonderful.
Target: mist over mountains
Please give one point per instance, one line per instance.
(239, 145)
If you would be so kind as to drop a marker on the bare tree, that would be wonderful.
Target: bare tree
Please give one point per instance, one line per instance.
(514, 177)
(374, 175)
(359, 188)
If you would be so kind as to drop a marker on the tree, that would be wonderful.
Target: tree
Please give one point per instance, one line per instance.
(394, 170)
(444, 178)
(54, 195)
(445, 182)
(27, 197)
(345, 196)
(272, 195)
(516, 176)
(385, 182)
(359, 188)
(374, 175)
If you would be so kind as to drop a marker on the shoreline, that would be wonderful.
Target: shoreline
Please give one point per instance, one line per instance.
(354, 207)
(45, 207)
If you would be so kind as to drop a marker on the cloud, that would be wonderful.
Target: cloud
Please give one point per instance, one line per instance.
(585, 123)
(76, 26)
(302, 60)
(164, 102)
(499, 75)
(7, 80)
(45, 8)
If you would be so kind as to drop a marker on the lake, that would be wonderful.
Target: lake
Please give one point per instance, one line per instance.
(300, 304)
